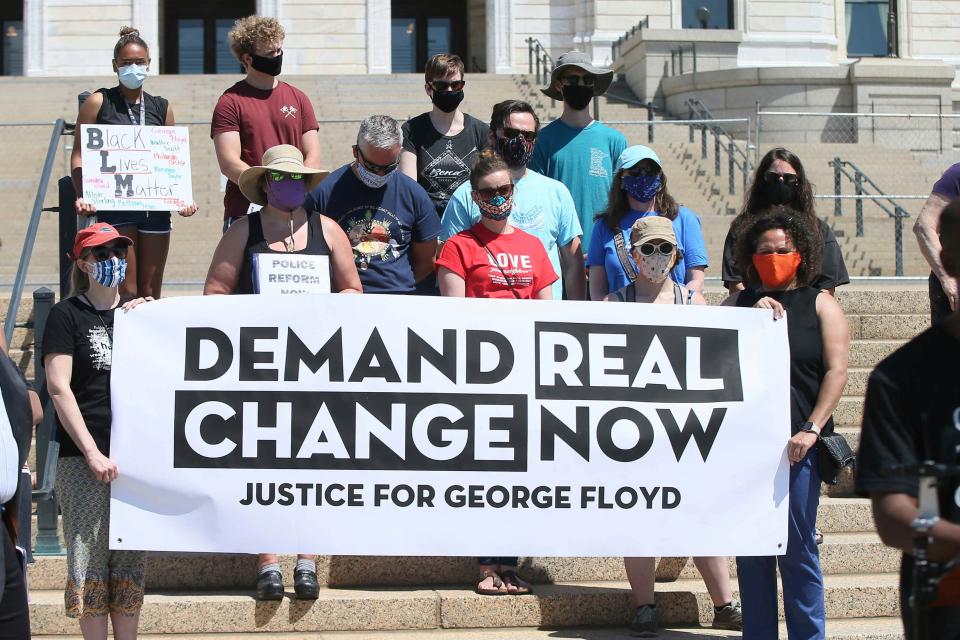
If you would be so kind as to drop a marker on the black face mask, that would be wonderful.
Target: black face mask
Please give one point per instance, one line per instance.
(778, 192)
(577, 96)
(447, 101)
(269, 66)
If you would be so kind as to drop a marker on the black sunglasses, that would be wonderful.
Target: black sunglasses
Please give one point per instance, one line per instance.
(379, 169)
(505, 190)
(510, 133)
(771, 177)
(446, 85)
(637, 171)
(572, 81)
(107, 251)
(648, 248)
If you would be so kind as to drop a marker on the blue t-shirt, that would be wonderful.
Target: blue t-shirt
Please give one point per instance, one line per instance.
(541, 207)
(686, 226)
(380, 223)
(583, 160)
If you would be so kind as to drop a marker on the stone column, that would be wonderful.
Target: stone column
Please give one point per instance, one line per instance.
(500, 49)
(268, 8)
(378, 36)
(145, 16)
(33, 38)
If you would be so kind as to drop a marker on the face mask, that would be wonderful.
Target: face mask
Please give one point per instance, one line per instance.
(447, 101)
(515, 152)
(286, 195)
(776, 269)
(371, 179)
(577, 96)
(111, 272)
(496, 208)
(132, 76)
(655, 267)
(778, 192)
(269, 66)
(642, 188)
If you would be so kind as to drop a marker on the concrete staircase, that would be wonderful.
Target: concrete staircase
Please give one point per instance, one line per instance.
(379, 597)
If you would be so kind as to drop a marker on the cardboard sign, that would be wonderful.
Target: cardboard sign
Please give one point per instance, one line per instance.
(133, 168)
(290, 273)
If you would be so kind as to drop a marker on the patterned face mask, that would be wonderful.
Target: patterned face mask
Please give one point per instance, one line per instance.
(515, 151)
(642, 188)
(496, 208)
(110, 272)
(655, 267)
(371, 179)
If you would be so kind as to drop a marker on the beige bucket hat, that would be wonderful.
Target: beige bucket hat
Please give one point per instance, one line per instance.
(285, 158)
(583, 61)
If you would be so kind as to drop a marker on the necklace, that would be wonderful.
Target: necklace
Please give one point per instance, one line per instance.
(103, 324)
(288, 242)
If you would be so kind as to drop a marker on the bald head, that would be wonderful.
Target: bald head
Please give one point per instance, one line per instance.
(950, 238)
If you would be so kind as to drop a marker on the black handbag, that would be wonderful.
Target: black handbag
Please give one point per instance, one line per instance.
(835, 454)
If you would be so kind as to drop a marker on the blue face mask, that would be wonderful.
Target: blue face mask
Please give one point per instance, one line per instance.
(642, 188)
(110, 273)
(132, 76)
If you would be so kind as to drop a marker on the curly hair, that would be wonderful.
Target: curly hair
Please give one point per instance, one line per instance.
(618, 204)
(128, 35)
(487, 162)
(791, 222)
(251, 31)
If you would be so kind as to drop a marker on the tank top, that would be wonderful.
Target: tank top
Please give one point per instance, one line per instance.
(629, 294)
(256, 243)
(806, 349)
(114, 109)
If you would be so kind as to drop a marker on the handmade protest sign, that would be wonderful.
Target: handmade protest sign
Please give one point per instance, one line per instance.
(290, 273)
(134, 168)
(311, 423)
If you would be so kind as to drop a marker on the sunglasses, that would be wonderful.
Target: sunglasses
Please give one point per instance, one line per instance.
(107, 251)
(505, 190)
(510, 133)
(446, 85)
(379, 169)
(572, 81)
(648, 248)
(771, 177)
(638, 171)
(280, 176)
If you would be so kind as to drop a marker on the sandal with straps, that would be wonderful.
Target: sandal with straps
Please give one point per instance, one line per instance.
(498, 588)
(515, 585)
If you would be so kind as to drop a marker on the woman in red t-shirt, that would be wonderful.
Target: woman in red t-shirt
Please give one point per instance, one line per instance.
(494, 259)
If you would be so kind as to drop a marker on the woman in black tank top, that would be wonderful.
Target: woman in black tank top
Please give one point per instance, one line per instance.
(779, 255)
(128, 104)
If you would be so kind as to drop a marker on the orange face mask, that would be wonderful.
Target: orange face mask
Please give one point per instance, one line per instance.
(776, 269)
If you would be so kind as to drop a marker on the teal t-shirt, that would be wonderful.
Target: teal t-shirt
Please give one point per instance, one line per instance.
(583, 160)
(541, 207)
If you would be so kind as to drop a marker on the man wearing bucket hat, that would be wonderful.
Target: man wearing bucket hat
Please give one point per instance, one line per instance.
(576, 149)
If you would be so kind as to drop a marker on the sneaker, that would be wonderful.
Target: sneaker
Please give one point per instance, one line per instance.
(305, 584)
(644, 623)
(730, 617)
(270, 586)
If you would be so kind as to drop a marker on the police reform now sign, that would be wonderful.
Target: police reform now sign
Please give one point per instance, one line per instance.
(321, 423)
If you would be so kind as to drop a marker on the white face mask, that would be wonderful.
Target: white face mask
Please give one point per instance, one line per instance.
(132, 76)
(371, 179)
(655, 267)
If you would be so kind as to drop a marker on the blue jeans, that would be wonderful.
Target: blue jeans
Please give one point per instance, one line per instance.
(799, 569)
(505, 561)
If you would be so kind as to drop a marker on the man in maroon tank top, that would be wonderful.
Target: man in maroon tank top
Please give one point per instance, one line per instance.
(260, 111)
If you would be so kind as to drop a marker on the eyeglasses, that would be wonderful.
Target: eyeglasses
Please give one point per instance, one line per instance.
(443, 86)
(648, 248)
(637, 171)
(379, 169)
(572, 80)
(771, 177)
(107, 251)
(505, 190)
(280, 176)
(510, 132)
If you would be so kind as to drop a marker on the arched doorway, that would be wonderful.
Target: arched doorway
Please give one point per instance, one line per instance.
(195, 35)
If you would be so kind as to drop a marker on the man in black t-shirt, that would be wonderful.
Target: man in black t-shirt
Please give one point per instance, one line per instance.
(912, 414)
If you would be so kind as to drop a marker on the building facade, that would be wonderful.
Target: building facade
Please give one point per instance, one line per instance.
(69, 37)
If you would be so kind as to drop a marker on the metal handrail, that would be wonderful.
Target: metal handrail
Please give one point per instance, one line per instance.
(861, 182)
(677, 54)
(617, 44)
(737, 157)
(59, 127)
(537, 54)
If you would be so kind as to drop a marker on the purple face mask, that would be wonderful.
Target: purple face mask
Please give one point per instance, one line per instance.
(286, 195)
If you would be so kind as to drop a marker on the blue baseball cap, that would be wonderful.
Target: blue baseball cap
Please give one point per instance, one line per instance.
(632, 155)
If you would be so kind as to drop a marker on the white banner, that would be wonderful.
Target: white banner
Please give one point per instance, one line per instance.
(395, 425)
(134, 168)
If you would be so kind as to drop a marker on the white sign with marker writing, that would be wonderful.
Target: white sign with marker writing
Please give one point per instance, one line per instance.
(291, 273)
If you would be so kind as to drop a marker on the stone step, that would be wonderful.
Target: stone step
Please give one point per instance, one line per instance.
(840, 554)
(554, 605)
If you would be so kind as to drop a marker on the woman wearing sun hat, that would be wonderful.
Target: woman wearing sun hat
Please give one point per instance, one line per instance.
(282, 227)
(77, 355)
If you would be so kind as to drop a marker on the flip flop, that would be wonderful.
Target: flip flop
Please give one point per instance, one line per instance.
(498, 587)
(519, 586)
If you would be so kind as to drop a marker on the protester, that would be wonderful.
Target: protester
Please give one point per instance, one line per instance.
(259, 111)
(943, 288)
(778, 254)
(911, 415)
(77, 355)
(576, 149)
(128, 104)
(282, 226)
(541, 206)
(653, 247)
(390, 221)
(639, 190)
(494, 259)
(780, 180)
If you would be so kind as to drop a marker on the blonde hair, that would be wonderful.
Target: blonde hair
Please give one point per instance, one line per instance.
(251, 31)
(79, 281)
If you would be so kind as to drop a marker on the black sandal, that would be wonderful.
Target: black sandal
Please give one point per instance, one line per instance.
(499, 588)
(510, 578)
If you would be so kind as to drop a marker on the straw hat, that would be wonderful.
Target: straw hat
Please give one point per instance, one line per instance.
(285, 158)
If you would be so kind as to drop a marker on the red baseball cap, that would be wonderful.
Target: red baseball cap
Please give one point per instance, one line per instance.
(95, 235)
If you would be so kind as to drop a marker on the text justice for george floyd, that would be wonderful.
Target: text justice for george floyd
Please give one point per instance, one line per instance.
(482, 430)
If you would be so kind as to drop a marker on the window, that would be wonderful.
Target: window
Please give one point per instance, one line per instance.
(867, 27)
(707, 14)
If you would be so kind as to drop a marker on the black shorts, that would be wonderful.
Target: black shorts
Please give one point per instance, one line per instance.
(145, 221)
